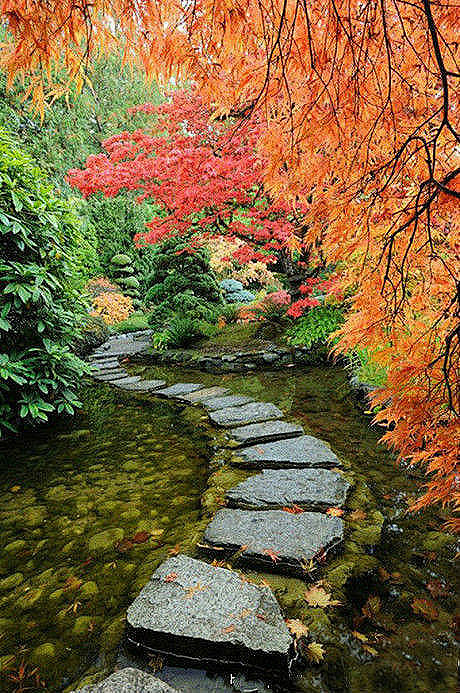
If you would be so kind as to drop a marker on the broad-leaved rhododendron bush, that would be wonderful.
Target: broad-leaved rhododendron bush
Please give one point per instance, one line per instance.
(352, 108)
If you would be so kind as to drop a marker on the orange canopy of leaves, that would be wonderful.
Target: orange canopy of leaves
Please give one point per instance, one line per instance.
(360, 102)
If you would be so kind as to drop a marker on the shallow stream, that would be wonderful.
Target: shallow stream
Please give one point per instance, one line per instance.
(89, 507)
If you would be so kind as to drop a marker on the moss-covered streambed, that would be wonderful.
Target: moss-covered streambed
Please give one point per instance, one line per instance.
(88, 512)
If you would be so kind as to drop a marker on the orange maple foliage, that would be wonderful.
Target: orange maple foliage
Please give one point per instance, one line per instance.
(360, 102)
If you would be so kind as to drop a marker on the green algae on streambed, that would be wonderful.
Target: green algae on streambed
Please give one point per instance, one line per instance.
(78, 501)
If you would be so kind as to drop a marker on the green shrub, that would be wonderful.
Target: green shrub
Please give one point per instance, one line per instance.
(136, 321)
(314, 328)
(93, 333)
(182, 331)
(367, 370)
(181, 282)
(40, 294)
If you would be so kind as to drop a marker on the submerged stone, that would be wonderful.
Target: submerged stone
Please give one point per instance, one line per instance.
(204, 394)
(104, 541)
(313, 489)
(274, 538)
(179, 389)
(128, 681)
(214, 403)
(254, 412)
(265, 432)
(203, 613)
(304, 451)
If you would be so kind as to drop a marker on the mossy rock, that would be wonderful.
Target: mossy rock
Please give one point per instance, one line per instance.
(121, 259)
(43, 655)
(11, 582)
(112, 635)
(88, 590)
(105, 541)
(15, 547)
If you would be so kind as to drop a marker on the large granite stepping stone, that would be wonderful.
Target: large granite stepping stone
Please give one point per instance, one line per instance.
(129, 681)
(128, 380)
(274, 539)
(304, 451)
(265, 432)
(214, 403)
(199, 612)
(199, 395)
(254, 412)
(142, 385)
(179, 389)
(311, 489)
(114, 375)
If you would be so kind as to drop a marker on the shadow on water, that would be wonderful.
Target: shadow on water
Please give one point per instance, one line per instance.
(89, 508)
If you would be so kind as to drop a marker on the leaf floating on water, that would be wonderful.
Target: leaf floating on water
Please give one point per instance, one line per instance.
(372, 607)
(315, 652)
(141, 537)
(426, 608)
(370, 650)
(296, 627)
(317, 596)
(357, 515)
(359, 636)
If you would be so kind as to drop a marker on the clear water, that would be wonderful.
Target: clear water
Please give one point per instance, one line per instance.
(90, 507)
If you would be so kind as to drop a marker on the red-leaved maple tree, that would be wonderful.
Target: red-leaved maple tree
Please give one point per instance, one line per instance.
(357, 108)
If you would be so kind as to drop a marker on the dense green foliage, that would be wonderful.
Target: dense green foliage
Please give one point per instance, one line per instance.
(70, 132)
(181, 283)
(41, 268)
(314, 328)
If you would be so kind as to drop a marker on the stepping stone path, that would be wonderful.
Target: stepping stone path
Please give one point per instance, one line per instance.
(202, 612)
(265, 432)
(246, 414)
(305, 451)
(196, 611)
(128, 681)
(274, 538)
(310, 489)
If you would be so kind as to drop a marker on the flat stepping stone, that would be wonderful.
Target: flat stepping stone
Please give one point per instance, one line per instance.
(115, 375)
(142, 385)
(265, 432)
(199, 395)
(304, 451)
(254, 412)
(128, 681)
(214, 403)
(274, 539)
(199, 612)
(311, 489)
(179, 389)
(130, 380)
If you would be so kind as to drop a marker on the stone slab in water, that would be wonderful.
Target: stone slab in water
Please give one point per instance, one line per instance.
(254, 412)
(114, 375)
(122, 382)
(312, 489)
(179, 389)
(105, 367)
(304, 451)
(199, 612)
(265, 432)
(129, 681)
(274, 539)
(204, 394)
(214, 403)
(142, 385)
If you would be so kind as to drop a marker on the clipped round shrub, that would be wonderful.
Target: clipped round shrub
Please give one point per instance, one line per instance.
(121, 259)
(231, 286)
(41, 301)
(242, 296)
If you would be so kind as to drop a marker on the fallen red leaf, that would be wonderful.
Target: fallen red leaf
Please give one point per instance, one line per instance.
(140, 537)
